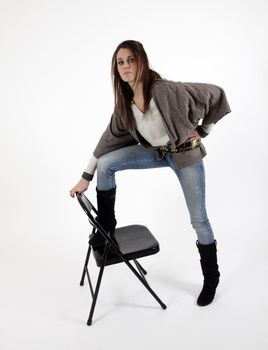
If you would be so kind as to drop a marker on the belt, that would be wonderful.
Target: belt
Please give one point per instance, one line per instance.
(187, 146)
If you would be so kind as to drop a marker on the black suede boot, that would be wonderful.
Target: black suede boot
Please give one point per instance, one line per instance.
(208, 254)
(106, 216)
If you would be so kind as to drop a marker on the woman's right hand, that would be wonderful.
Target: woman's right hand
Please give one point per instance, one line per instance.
(80, 187)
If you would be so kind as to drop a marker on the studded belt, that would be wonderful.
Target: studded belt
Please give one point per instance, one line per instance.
(187, 146)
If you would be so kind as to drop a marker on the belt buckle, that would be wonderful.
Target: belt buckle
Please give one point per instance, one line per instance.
(195, 143)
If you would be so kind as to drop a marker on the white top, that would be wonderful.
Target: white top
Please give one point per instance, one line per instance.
(151, 125)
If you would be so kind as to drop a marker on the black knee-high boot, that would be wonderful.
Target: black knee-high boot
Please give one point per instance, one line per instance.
(106, 215)
(208, 254)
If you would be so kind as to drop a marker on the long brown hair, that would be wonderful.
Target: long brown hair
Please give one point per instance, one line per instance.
(123, 93)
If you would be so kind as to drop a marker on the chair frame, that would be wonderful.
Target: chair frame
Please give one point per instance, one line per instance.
(109, 244)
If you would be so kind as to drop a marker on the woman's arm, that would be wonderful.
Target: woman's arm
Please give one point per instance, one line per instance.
(90, 169)
(114, 137)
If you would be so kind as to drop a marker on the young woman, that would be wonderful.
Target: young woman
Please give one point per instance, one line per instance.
(157, 123)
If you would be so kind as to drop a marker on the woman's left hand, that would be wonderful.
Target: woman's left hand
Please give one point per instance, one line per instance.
(194, 136)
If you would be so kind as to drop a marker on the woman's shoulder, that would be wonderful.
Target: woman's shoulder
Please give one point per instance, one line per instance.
(171, 86)
(171, 83)
(165, 86)
(165, 82)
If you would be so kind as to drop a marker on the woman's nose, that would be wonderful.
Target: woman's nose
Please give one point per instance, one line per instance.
(126, 64)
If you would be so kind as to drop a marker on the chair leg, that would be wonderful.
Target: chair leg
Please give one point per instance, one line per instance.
(85, 266)
(138, 275)
(146, 285)
(95, 296)
(90, 284)
(141, 270)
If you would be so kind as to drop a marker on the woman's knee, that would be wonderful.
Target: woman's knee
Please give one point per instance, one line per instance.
(104, 164)
(200, 223)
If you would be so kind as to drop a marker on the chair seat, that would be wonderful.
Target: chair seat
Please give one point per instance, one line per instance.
(134, 241)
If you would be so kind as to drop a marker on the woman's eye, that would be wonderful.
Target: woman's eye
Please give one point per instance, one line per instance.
(120, 62)
(131, 60)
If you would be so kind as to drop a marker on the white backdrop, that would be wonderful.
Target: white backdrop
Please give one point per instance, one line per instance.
(55, 101)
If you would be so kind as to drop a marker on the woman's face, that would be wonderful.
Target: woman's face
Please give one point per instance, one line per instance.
(126, 65)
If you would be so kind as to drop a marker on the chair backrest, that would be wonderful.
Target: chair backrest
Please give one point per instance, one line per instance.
(88, 207)
(91, 213)
(86, 204)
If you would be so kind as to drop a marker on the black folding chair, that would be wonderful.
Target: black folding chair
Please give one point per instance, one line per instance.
(133, 242)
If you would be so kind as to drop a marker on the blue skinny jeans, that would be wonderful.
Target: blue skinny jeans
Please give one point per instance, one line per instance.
(192, 180)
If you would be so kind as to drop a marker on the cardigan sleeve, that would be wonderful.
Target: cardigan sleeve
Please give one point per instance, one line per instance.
(208, 101)
(90, 169)
(204, 130)
(218, 105)
(114, 137)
